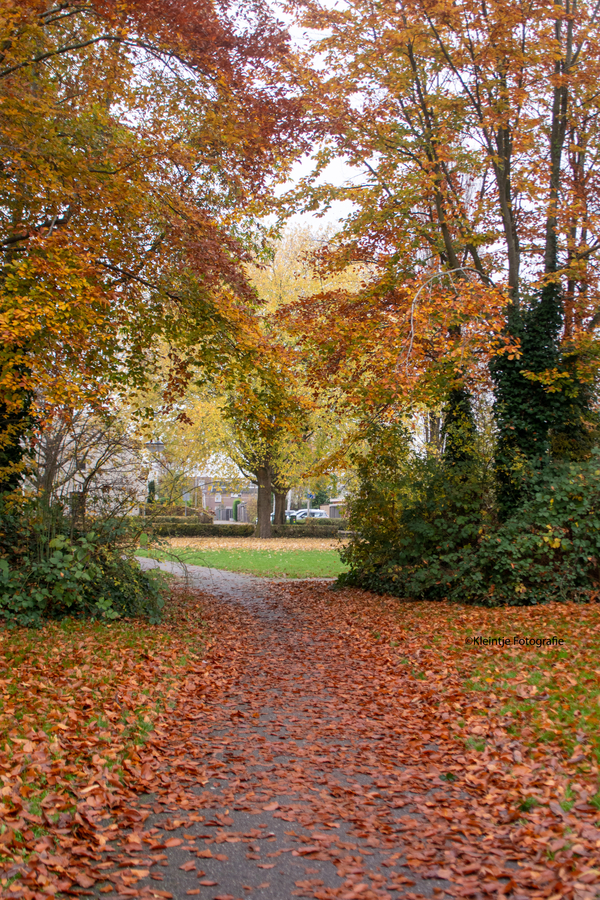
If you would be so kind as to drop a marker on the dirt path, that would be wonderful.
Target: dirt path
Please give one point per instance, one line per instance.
(303, 764)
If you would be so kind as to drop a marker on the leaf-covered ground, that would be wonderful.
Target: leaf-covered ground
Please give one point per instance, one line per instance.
(334, 745)
(80, 704)
(252, 543)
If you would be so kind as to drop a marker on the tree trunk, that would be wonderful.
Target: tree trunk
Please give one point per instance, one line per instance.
(15, 436)
(279, 517)
(263, 518)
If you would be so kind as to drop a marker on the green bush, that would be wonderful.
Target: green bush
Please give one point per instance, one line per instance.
(51, 573)
(298, 531)
(548, 550)
(412, 519)
(197, 529)
(429, 531)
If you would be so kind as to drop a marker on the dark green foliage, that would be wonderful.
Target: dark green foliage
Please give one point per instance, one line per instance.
(198, 529)
(151, 492)
(321, 497)
(443, 542)
(51, 572)
(413, 517)
(15, 441)
(549, 549)
(458, 430)
(534, 422)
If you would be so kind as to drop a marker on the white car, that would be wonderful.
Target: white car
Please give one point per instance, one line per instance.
(312, 514)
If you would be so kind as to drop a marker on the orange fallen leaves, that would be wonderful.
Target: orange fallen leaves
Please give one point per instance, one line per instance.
(437, 775)
(78, 702)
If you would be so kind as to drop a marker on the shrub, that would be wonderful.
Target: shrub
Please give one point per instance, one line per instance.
(428, 532)
(298, 531)
(197, 529)
(53, 573)
(548, 550)
(413, 519)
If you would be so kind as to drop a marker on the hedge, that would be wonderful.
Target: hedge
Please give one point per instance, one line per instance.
(179, 520)
(321, 523)
(293, 531)
(196, 529)
(154, 510)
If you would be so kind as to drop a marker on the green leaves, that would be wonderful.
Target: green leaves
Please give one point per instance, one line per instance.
(82, 575)
(431, 537)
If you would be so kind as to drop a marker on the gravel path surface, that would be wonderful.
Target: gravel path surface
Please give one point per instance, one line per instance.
(269, 800)
(280, 779)
(229, 585)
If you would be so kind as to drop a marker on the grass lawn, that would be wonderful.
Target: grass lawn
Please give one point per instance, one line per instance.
(271, 563)
(555, 689)
(548, 695)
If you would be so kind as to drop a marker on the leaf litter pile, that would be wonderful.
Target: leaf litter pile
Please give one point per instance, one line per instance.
(331, 745)
(251, 543)
(78, 702)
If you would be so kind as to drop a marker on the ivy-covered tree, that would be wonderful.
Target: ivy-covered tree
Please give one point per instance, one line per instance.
(470, 131)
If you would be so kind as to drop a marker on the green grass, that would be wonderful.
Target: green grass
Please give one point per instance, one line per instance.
(553, 691)
(268, 563)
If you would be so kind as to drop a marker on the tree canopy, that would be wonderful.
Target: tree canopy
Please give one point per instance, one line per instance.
(136, 137)
(472, 130)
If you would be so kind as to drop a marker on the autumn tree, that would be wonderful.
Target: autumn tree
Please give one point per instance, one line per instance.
(472, 130)
(268, 424)
(135, 136)
(192, 430)
(282, 422)
(90, 456)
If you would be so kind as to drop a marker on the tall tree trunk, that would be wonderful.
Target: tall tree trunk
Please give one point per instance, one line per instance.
(433, 427)
(560, 110)
(279, 517)
(15, 442)
(263, 518)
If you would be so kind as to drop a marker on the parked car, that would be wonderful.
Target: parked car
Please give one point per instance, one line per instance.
(312, 514)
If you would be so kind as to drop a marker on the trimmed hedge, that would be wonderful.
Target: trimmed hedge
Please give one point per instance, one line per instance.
(197, 529)
(180, 520)
(295, 531)
(155, 510)
(321, 523)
